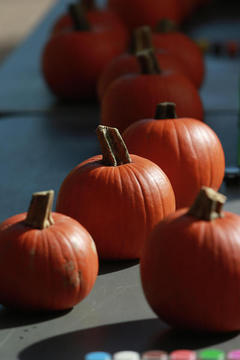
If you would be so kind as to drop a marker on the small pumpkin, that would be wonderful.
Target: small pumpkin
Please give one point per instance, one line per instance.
(130, 98)
(73, 59)
(48, 261)
(137, 13)
(178, 44)
(102, 18)
(190, 268)
(127, 63)
(122, 197)
(186, 149)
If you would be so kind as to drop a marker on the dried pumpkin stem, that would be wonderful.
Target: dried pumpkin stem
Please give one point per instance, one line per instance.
(166, 26)
(208, 204)
(166, 110)
(39, 214)
(114, 150)
(142, 39)
(148, 62)
(77, 13)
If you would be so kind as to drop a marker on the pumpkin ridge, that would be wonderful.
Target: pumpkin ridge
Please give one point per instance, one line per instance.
(45, 248)
(178, 146)
(135, 176)
(195, 154)
(49, 262)
(220, 257)
(161, 196)
(120, 179)
(207, 153)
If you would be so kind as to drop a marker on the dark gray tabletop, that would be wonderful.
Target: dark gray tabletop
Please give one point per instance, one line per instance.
(40, 142)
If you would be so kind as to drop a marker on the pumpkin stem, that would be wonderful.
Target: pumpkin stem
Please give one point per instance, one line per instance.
(88, 4)
(39, 214)
(166, 26)
(148, 62)
(77, 13)
(114, 150)
(208, 204)
(166, 110)
(142, 39)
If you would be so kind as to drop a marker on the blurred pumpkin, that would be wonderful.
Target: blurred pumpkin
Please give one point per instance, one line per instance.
(73, 59)
(134, 97)
(127, 63)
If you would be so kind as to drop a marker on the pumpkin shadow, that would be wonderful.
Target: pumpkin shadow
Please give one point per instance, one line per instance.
(140, 335)
(182, 339)
(12, 318)
(106, 267)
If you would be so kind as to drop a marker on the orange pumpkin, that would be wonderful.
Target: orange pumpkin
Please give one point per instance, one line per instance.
(141, 12)
(127, 63)
(190, 268)
(122, 197)
(183, 48)
(186, 149)
(98, 17)
(130, 98)
(48, 261)
(72, 60)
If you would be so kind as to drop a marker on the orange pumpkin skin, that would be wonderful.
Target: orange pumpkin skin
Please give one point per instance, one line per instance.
(184, 49)
(190, 272)
(118, 205)
(127, 64)
(107, 19)
(72, 61)
(187, 150)
(56, 267)
(136, 13)
(131, 98)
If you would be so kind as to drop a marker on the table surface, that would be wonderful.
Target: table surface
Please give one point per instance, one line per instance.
(40, 142)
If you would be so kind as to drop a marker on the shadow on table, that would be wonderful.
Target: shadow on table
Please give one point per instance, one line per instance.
(138, 335)
(10, 318)
(112, 266)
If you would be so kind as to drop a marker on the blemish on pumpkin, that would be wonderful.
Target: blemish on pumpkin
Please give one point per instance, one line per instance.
(73, 278)
(69, 266)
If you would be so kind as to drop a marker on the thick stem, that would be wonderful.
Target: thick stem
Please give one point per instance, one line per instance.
(166, 110)
(166, 26)
(208, 205)
(77, 13)
(142, 39)
(88, 4)
(39, 214)
(148, 62)
(114, 150)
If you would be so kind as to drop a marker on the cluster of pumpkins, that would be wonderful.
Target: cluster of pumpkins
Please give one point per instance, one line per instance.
(158, 203)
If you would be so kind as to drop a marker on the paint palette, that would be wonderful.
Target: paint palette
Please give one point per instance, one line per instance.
(207, 354)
